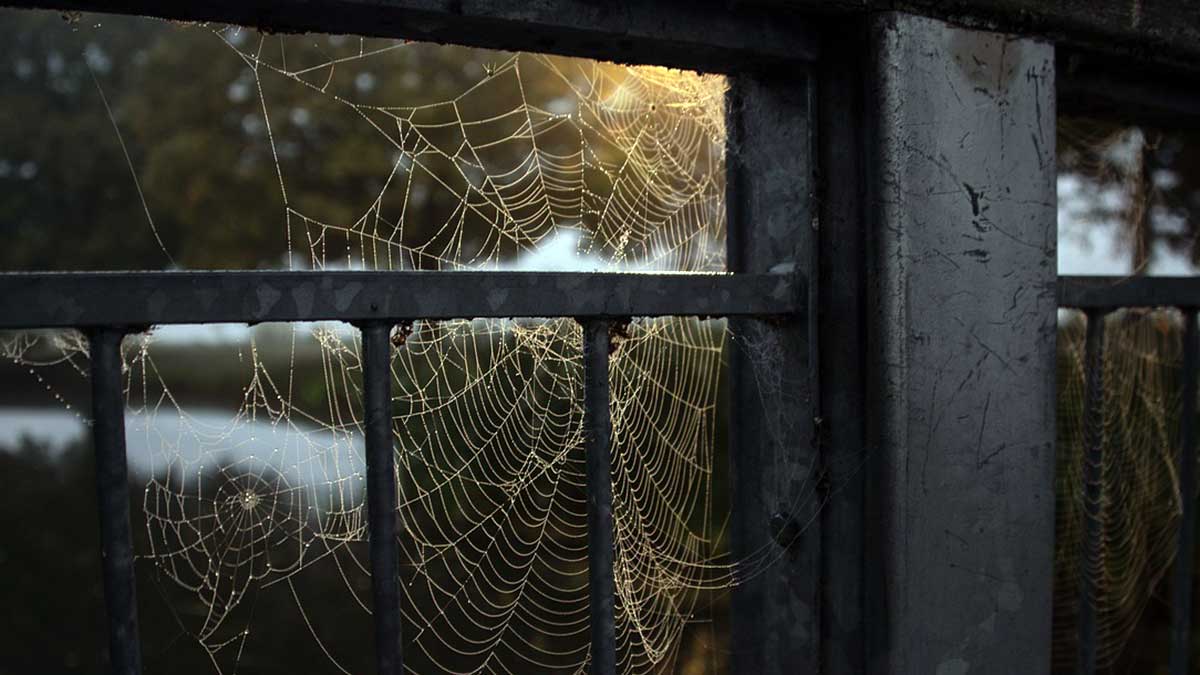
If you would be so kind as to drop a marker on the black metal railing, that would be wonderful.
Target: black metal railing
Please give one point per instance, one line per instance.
(1097, 297)
(109, 305)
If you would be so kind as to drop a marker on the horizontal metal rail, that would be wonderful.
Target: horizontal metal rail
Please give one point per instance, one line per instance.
(677, 32)
(86, 299)
(1108, 293)
(698, 35)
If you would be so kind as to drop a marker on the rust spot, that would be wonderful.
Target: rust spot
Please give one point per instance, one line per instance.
(618, 332)
(401, 332)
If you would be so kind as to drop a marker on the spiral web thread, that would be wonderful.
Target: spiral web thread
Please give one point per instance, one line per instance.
(1112, 177)
(1140, 497)
(487, 413)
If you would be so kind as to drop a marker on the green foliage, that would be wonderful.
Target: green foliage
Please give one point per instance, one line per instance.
(187, 106)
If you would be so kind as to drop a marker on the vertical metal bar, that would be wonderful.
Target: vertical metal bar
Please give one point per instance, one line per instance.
(1181, 589)
(381, 496)
(1093, 475)
(597, 427)
(840, 388)
(775, 481)
(112, 487)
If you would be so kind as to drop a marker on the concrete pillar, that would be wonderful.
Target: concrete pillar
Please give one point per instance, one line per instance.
(962, 313)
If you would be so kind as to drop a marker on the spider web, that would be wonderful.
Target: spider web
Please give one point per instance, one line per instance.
(1140, 500)
(1112, 190)
(624, 166)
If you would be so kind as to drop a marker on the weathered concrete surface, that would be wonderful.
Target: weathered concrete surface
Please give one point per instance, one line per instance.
(963, 309)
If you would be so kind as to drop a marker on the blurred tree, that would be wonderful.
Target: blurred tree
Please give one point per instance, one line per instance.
(242, 142)
(1147, 180)
(247, 147)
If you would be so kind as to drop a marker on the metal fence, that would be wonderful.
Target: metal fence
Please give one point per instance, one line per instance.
(1097, 297)
(768, 56)
(107, 306)
(798, 103)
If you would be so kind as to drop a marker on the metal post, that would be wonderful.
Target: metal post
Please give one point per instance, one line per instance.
(961, 324)
(112, 486)
(381, 495)
(1093, 494)
(597, 427)
(774, 478)
(840, 317)
(1181, 602)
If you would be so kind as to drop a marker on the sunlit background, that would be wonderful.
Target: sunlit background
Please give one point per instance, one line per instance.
(128, 143)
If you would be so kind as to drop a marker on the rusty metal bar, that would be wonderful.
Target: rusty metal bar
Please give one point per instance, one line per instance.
(83, 299)
(381, 495)
(1093, 494)
(112, 487)
(1185, 557)
(597, 426)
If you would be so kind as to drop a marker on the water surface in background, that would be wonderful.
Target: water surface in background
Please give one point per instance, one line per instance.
(186, 443)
